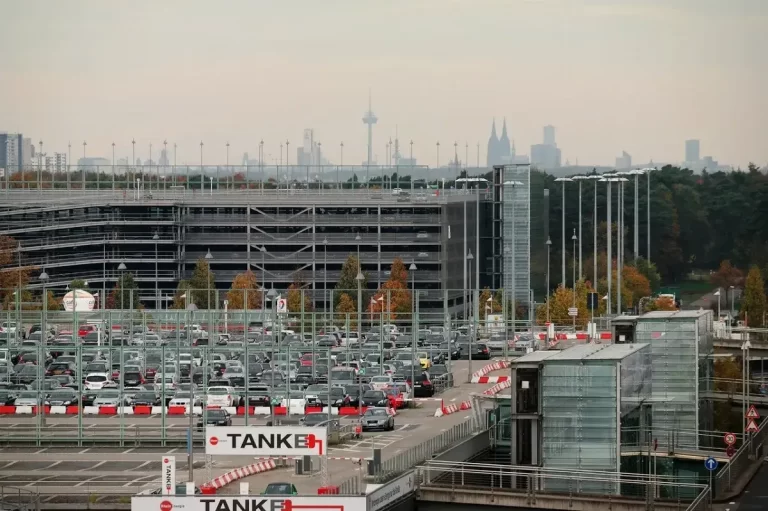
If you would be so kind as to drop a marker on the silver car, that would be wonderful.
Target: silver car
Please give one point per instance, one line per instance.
(27, 398)
(377, 418)
(110, 398)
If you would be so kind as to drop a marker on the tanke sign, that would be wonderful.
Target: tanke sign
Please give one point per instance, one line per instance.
(169, 475)
(246, 503)
(265, 441)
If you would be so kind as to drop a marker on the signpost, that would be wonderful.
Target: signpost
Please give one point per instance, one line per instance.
(247, 503)
(573, 311)
(752, 416)
(730, 451)
(711, 465)
(265, 441)
(729, 439)
(169, 475)
(282, 306)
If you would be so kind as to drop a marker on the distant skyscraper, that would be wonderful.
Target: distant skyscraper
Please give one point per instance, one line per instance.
(370, 119)
(546, 155)
(163, 161)
(624, 162)
(549, 135)
(505, 147)
(27, 151)
(11, 145)
(692, 151)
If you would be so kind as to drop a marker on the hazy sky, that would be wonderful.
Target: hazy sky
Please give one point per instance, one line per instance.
(638, 75)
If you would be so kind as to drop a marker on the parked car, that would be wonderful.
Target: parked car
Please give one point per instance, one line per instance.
(214, 417)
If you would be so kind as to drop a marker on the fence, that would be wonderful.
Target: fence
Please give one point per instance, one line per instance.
(533, 481)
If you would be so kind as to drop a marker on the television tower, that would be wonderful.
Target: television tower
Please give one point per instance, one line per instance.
(370, 119)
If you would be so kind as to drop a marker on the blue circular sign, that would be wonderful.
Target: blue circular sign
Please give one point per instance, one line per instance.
(710, 464)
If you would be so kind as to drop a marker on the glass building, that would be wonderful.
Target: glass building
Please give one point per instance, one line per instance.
(591, 394)
(682, 352)
(516, 232)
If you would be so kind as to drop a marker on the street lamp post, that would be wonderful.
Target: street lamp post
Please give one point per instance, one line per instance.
(514, 185)
(272, 294)
(620, 242)
(43, 340)
(562, 246)
(648, 210)
(717, 294)
(157, 297)
(549, 246)
(359, 278)
(595, 178)
(471, 334)
(580, 179)
(325, 277)
(574, 238)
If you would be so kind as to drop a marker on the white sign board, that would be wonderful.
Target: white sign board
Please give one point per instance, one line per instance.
(282, 305)
(392, 491)
(169, 475)
(78, 300)
(265, 441)
(246, 503)
(573, 311)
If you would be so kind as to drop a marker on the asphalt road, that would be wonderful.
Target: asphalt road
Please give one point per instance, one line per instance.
(61, 472)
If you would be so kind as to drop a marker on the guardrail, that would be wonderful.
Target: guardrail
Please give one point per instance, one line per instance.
(537, 481)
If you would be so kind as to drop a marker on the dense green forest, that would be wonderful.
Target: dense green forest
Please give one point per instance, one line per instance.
(697, 220)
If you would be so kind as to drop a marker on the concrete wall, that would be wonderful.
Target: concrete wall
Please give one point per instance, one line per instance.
(462, 452)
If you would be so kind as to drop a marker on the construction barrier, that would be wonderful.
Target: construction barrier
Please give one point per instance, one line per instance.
(492, 391)
(239, 473)
(452, 408)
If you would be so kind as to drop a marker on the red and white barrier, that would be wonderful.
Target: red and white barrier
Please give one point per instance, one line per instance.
(179, 410)
(453, 408)
(479, 376)
(492, 391)
(239, 473)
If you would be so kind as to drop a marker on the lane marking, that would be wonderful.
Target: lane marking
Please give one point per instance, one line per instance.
(84, 451)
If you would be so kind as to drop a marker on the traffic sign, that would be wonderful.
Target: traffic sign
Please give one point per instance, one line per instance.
(282, 305)
(730, 451)
(729, 438)
(573, 311)
(751, 426)
(752, 413)
(710, 464)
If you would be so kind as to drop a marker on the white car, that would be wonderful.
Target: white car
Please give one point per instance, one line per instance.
(182, 399)
(381, 382)
(8, 327)
(110, 398)
(397, 191)
(221, 396)
(97, 381)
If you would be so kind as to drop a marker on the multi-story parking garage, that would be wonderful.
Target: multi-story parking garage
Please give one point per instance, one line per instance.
(283, 236)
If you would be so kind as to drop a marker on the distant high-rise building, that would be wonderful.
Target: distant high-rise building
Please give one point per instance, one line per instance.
(56, 163)
(163, 161)
(692, 151)
(546, 155)
(27, 152)
(11, 145)
(549, 135)
(624, 162)
(369, 119)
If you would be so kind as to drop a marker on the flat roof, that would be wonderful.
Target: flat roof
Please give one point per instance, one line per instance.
(681, 314)
(594, 351)
(535, 357)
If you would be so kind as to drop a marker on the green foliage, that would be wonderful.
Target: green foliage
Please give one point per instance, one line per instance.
(124, 294)
(753, 305)
(203, 285)
(649, 270)
(348, 283)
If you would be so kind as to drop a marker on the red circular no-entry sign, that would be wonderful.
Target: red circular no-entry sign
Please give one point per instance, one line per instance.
(166, 505)
(730, 451)
(213, 440)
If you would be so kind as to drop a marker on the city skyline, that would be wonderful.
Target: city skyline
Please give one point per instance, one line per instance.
(597, 111)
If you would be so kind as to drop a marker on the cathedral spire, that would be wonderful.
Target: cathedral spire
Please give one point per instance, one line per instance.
(504, 146)
(493, 147)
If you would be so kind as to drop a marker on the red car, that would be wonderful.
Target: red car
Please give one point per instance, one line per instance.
(85, 330)
(396, 398)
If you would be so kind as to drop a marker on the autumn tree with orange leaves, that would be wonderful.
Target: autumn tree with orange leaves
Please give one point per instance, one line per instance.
(661, 303)
(393, 297)
(244, 293)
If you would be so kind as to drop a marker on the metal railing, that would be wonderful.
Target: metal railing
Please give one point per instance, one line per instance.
(404, 461)
(533, 481)
(18, 499)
